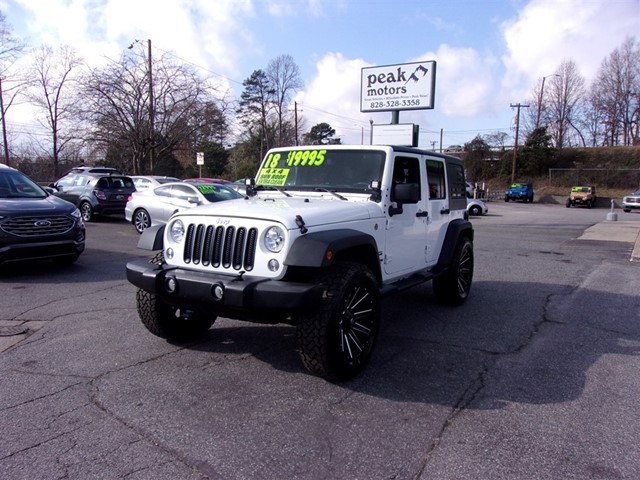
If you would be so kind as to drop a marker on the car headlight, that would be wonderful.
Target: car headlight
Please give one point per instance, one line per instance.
(274, 239)
(176, 232)
(76, 214)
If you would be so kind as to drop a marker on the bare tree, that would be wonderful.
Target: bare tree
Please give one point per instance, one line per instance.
(117, 100)
(566, 91)
(12, 83)
(615, 94)
(593, 119)
(284, 77)
(54, 93)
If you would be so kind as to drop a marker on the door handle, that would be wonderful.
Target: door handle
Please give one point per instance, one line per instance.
(422, 214)
(445, 211)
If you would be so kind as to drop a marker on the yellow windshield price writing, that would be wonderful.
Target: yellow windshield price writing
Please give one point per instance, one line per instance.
(275, 177)
(297, 158)
(306, 158)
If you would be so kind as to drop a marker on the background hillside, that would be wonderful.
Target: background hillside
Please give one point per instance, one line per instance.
(615, 171)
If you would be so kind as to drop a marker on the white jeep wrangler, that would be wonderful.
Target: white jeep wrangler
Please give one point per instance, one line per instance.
(323, 232)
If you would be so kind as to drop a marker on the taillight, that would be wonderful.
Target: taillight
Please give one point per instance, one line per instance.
(100, 195)
(130, 198)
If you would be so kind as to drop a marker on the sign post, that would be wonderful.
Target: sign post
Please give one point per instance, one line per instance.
(200, 161)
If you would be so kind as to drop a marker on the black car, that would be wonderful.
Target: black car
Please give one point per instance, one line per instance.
(95, 193)
(34, 224)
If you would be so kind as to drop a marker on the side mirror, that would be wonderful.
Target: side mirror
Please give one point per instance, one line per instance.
(250, 185)
(194, 200)
(406, 193)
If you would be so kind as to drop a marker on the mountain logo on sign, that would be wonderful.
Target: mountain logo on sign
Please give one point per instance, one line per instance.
(419, 73)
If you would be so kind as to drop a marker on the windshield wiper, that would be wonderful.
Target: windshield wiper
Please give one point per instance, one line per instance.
(271, 187)
(332, 192)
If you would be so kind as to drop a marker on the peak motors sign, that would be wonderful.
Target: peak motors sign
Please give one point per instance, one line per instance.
(410, 86)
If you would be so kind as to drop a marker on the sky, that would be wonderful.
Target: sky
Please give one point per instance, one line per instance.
(490, 54)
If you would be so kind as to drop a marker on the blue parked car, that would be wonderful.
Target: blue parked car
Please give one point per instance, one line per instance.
(519, 191)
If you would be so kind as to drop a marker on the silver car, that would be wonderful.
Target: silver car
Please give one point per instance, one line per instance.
(143, 182)
(476, 207)
(631, 202)
(155, 206)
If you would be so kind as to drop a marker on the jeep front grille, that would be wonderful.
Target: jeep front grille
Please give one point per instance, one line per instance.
(226, 247)
(38, 226)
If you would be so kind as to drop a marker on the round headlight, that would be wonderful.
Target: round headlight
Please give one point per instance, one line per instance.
(176, 231)
(274, 239)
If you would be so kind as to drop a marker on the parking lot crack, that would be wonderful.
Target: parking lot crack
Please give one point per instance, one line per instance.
(41, 397)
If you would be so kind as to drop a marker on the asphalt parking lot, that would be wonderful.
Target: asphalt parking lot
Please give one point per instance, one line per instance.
(535, 377)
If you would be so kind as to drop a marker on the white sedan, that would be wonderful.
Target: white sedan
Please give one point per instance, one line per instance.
(155, 206)
(476, 207)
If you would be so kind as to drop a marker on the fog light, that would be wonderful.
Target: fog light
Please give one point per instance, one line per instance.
(273, 265)
(169, 253)
(171, 284)
(217, 291)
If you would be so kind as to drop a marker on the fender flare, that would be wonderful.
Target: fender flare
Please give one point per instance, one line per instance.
(456, 229)
(152, 238)
(318, 249)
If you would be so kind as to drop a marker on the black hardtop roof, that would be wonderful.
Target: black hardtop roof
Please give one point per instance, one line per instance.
(420, 151)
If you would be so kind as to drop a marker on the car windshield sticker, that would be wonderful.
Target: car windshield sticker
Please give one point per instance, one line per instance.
(274, 177)
(205, 189)
(275, 172)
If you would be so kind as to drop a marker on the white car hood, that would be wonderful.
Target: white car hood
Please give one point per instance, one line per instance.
(314, 209)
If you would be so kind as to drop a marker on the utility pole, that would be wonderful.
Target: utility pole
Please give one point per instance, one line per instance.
(515, 146)
(540, 98)
(151, 109)
(4, 127)
(295, 116)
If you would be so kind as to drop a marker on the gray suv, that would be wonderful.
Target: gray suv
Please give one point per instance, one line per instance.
(35, 225)
(95, 193)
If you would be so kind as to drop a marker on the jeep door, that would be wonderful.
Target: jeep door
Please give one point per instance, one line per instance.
(438, 208)
(406, 229)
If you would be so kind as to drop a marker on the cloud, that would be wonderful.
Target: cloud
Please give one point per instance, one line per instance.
(336, 89)
(463, 80)
(546, 32)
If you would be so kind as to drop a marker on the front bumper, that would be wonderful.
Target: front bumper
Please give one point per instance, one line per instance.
(40, 250)
(223, 293)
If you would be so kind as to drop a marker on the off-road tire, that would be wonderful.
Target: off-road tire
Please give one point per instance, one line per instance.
(568, 203)
(169, 321)
(453, 287)
(141, 220)
(86, 210)
(336, 341)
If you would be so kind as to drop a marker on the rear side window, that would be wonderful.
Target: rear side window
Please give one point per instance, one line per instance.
(457, 185)
(436, 179)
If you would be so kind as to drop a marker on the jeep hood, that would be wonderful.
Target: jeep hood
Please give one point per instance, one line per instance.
(314, 210)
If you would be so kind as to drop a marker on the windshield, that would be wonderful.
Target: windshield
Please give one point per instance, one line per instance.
(317, 168)
(216, 193)
(14, 184)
